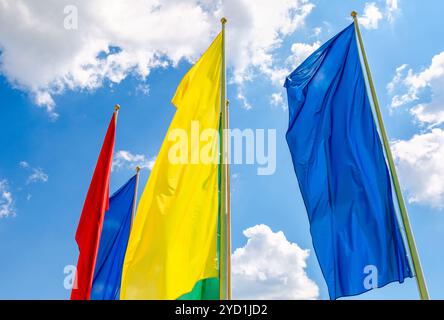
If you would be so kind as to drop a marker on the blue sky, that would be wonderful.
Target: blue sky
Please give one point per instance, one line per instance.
(58, 88)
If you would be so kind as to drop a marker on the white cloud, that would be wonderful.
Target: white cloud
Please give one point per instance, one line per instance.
(44, 98)
(277, 74)
(132, 37)
(317, 31)
(421, 167)
(24, 164)
(126, 160)
(392, 10)
(300, 52)
(277, 100)
(410, 87)
(371, 16)
(37, 175)
(6, 200)
(257, 28)
(144, 30)
(397, 78)
(242, 98)
(143, 89)
(270, 267)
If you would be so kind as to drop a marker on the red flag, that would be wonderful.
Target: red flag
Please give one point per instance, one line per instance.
(91, 220)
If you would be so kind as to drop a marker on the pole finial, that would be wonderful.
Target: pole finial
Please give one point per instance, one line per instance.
(223, 20)
(354, 14)
(116, 107)
(137, 169)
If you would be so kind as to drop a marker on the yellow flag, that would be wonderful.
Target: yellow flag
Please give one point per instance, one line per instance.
(173, 240)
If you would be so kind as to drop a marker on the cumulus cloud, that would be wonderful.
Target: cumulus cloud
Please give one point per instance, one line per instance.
(423, 89)
(111, 41)
(6, 201)
(270, 267)
(126, 160)
(421, 167)
(300, 52)
(42, 56)
(397, 78)
(257, 27)
(371, 16)
(277, 100)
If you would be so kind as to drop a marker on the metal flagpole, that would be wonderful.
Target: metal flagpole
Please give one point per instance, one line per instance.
(405, 219)
(228, 202)
(224, 214)
(135, 195)
(116, 110)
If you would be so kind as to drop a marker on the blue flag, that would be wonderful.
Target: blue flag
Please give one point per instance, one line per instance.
(342, 173)
(113, 243)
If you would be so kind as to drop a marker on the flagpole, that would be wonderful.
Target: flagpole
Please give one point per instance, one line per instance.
(228, 201)
(136, 187)
(224, 214)
(116, 111)
(422, 287)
